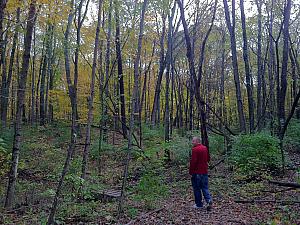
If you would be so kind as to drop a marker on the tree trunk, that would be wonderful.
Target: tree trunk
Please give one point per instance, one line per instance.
(2, 44)
(72, 96)
(162, 65)
(247, 69)
(6, 87)
(271, 70)
(42, 87)
(169, 59)
(120, 71)
(284, 67)
(259, 65)
(20, 103)
(231, 29)
(133, 102)
(91, 97)
(32, 117)
(190, 56)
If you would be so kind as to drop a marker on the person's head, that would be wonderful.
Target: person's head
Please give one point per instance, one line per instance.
(195, 141)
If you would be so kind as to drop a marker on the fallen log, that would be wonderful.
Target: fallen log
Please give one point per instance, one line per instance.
(285, 184)
(266, 201)
(278, 191)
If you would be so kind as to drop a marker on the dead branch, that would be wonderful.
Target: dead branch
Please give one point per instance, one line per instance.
(285, 184)
(279, 191)
(217, 163)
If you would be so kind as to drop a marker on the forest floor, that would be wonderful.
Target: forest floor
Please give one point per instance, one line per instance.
(158, 193)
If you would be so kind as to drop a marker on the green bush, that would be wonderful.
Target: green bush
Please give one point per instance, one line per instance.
(151, 136)
(255, 155)
(180, 148)
(216, 144)
(292, 137)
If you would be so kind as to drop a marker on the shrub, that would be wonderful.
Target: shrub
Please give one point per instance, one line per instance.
(255, 154)
(292, 137)
(216, 144)
(180, 148)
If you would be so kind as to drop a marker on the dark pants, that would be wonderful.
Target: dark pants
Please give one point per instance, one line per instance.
(200, 184)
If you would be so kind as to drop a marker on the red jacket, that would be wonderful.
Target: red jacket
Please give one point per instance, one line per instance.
(199, 160)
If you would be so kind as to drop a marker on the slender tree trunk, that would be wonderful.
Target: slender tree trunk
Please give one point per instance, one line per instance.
(147, 80)
(169, 59)
(51, 76)
(133, 102)
(231, 29)
(107, 68)
(72, 96)
(162, 65)
(284, 65)
(247, 69)
(91, 97)
(120, 71)
(271, 70)
(33, 80)
(6, 87)
(42, 87)
(222, 85)
(2, 44)
(259, 65)
(20, 103)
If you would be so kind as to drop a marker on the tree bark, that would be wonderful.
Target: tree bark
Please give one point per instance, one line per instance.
(72, 96)
(133, 102)
(162, 65)
(91, 97)
(231, 29)
(6, 86)
(247, 69)
(284, 65)
(20, 103)
(259, 65)
(120, 71)
(2, 44)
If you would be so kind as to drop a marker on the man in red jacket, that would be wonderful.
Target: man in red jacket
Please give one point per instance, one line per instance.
(198, 170)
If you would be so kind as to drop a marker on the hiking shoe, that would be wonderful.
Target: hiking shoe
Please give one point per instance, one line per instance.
(197, 207)
(209, 206)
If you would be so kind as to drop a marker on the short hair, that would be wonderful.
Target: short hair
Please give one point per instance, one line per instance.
(197, 139)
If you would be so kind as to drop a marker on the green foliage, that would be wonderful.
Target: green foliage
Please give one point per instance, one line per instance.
(132, 211)
(292, 137)
(6, 140)
(105, 147)
(255, 155)
(180, 148)
(151, 188)
(151, 136)
(5, 156)
(216, 144)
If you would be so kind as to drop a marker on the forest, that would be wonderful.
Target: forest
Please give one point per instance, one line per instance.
(100, 101)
